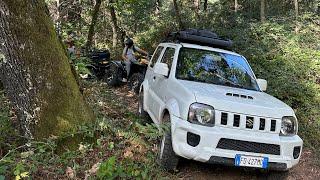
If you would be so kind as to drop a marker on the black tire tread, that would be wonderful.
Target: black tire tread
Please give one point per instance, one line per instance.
(115, 80)
(140, 78)
(169, 159)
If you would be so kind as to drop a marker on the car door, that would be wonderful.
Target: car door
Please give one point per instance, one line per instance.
(149, 77)
(160, 83)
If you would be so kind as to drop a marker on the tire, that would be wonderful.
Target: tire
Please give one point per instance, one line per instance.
(167, 157)
(141, 112)
(112, 76)
(135, 82)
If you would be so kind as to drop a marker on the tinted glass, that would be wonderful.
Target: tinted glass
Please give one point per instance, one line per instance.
(155, 56)
(216, 68)
(168, 57)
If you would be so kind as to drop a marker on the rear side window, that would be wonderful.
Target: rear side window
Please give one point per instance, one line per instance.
(168, 57)
(156, 55)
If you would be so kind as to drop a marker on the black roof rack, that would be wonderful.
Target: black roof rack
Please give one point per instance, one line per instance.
(200, 37)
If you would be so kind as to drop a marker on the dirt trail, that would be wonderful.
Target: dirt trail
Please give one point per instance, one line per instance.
(188, 169)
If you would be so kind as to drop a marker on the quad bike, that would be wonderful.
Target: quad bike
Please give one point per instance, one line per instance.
(100, 62)
(116, 73)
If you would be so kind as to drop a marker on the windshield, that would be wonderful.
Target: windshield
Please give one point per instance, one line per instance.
(216, 68)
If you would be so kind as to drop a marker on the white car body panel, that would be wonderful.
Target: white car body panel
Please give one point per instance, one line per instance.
(175, 96)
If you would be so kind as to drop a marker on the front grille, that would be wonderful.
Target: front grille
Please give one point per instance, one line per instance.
(247, 122)
(224, 118)
(262, 124)
(273, 125)
(246, 146)
(236, 120)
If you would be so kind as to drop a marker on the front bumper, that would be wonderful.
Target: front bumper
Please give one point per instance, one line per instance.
(206, 150)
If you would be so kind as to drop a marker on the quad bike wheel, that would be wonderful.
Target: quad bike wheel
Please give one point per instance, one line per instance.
(112, 76)
(135, 82)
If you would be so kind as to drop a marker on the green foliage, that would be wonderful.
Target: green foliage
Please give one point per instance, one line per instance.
(81, 64)
(286, 53)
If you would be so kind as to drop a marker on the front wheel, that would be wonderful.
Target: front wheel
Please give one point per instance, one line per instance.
(135, 82)
(112, 76)
(167, 157)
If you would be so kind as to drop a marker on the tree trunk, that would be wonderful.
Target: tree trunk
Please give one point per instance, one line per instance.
(36, 72)
(236, 6)
(205, 5)
(196, 4)
(296, 8)
(197, 8)
(178, 16)
(93, 23)
(262, 11)
(157, 7)
(115, 27)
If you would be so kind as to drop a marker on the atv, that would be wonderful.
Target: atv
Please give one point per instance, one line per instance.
(100, 62)
(116, 73)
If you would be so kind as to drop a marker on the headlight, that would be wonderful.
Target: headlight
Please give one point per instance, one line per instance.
(289, 126)
(201, 114)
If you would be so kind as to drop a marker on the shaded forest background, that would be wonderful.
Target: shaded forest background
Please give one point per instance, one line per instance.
(281, 40)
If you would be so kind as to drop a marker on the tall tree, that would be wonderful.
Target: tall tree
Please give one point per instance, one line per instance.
(205, 5)
(296, 8)
(178, 16)
(196, 4)
(116, 31)
(94, 18)
(262, 10)
(236, 6)
(36, 72)
(157, 6)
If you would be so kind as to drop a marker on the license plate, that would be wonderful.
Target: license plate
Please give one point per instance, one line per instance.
(251, 161)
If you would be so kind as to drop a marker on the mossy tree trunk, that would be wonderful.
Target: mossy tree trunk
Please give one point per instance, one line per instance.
(205, 5)
(262, 10)
(94, 19)
(116, 31)
(178, 16)
(296, 8)
(36, 72)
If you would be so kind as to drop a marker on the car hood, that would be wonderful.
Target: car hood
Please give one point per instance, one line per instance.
(237, 100)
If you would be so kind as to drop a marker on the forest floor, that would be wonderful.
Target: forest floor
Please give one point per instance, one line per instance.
(307, 168)
(123, 147)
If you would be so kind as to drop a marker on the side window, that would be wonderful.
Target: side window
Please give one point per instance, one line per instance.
(155, 56)
(168, 57)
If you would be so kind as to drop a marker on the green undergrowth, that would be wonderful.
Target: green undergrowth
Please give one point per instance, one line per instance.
(117, 145)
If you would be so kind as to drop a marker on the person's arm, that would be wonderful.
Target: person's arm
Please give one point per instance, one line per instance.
(141, 51)
(124, 54)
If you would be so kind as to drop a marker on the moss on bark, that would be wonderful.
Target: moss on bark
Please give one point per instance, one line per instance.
(57, 104)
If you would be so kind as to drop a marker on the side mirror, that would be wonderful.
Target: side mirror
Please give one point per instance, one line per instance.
(262, 83)
(162, 69)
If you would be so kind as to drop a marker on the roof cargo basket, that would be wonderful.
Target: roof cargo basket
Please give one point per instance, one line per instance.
(200, 37)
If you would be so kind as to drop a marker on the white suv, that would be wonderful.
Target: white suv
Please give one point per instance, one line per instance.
(217, 110)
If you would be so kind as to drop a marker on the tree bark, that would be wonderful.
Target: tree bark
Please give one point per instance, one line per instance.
(115, 26)
(94, 18)
(205, 5)
(262, 11)
(236, 6)
(36, 72)
(197, 8)
(157, 7)
(178, 16)
(296, 8)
